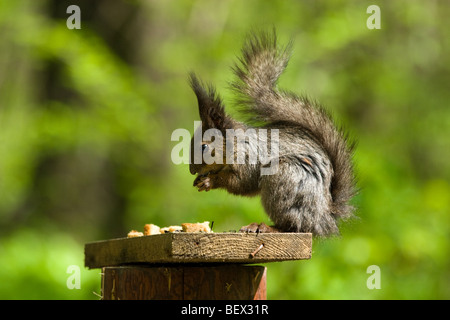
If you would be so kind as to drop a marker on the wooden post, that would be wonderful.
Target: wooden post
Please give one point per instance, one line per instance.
(226, 282)
(192, 265)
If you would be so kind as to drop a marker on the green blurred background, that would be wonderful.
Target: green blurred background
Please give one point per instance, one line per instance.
(86, 118)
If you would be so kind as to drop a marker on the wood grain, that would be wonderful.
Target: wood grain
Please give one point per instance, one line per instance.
(225, 282)
(199, 248)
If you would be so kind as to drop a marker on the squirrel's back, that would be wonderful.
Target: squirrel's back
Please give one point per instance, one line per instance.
(257, 73)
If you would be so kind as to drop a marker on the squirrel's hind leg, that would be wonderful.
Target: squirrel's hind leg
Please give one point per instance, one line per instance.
(297, 201)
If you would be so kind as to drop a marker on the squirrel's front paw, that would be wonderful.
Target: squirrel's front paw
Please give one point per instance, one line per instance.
(258, 228)
(203, 183)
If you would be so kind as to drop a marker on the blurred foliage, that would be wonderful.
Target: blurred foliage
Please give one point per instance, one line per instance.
(86, 118)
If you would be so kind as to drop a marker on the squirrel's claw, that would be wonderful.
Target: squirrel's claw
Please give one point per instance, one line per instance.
(258, 228)
(202, 183)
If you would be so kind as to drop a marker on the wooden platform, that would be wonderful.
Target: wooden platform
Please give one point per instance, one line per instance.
(241, 248)
(192, 265)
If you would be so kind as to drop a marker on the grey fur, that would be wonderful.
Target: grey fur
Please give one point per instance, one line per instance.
(315, 181)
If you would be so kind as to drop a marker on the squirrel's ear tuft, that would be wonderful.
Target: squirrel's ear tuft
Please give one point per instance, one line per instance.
(210, 107)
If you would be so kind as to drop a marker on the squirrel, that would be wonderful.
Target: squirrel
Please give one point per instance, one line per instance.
(311, 188)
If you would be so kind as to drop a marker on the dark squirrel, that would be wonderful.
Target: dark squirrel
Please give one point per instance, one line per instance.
(314, 181)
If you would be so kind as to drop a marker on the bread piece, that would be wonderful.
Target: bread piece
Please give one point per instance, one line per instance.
(150, 229)
(196, 227)
(134, 234)
(171, 229)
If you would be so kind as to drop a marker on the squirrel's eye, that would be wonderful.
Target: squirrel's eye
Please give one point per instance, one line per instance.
(204, 147)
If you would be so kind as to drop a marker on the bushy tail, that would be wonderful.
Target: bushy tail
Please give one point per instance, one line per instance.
(260, 66)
